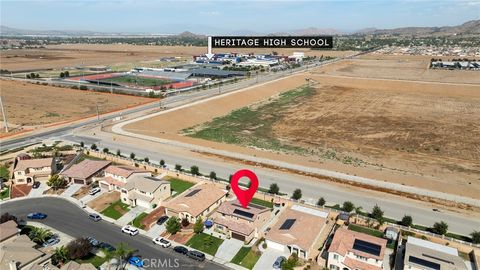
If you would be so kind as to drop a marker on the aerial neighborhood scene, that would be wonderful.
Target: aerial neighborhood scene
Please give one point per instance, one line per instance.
(306, 135)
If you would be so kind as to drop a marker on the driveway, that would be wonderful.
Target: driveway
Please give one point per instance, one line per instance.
(37, 192)
(130, 215)
(71, 190)
(87, 198)
(227, 250)
(156, 230)
(268, 258)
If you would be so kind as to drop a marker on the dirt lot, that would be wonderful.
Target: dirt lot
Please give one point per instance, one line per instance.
(29, 104)
(70, 55)
(103, 201)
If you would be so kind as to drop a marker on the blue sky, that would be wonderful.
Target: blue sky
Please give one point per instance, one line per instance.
(223, 17)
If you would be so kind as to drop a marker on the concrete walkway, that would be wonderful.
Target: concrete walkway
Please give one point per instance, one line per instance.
(228, 249)
(71, 190)
(156, 230)
(130, 215)
(38, 192)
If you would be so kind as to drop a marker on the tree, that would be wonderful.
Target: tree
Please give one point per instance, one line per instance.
(118, 152)
(39, 235)
(213, 175)
(122, 253)
(198, 226)
(146, 159)
(297, 194)
(62, 74)
(132, 155)
(60, 255)
(440, 228)
(194, 170)
(6, 217)
(406, 221)
(321, 201)
(93, 147)
(67, 74)
(172, 225)
(475, 237)
(178, 167)
(274, 189)
(291, 262)
(105, 150)
(348, 206)
(108, 255)
(56, 181)
(82, 144)
(377, 213)
(79, 248)
(162, 162)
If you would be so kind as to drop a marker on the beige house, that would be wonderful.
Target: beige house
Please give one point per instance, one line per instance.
(73, 265)
(84, 172)
(297, 231)
(197, 201)
(351, 250)
(8, 230)
(29, 170)
(145, 191)
(19, 252)
(117, 176)
(240, 223)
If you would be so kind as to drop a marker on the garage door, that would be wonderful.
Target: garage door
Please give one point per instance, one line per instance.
(78, 181)
(276, 245)
(238, 236)
(104, 186)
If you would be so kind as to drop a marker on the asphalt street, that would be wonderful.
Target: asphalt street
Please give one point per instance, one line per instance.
(70, 219)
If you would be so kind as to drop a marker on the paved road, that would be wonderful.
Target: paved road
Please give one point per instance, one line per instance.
(68, 218)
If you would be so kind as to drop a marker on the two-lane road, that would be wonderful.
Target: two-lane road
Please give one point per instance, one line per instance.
(66, 217)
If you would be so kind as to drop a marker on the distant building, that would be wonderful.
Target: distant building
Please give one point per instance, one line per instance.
(29, 170)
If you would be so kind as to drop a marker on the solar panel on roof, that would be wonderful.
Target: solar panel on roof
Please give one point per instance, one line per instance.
(425, 263)
(287, 224)
(193, 192)
(243, 213)
(367, 247)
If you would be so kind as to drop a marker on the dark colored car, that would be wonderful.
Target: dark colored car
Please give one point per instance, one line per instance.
(36, 184)
(162, 220)
(279, 262)
(106, 246)
(36, 215)
(180, 249)
(196, 255)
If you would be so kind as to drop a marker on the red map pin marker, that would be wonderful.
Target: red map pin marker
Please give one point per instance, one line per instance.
(244, 196)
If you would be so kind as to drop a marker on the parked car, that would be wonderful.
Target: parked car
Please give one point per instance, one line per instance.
(130, 230)
(162, 242)
(180, 249)
(93, 241)
(36, 184)
(94, 191)
(51, 241)
(279, 262)
(94, 217)
(37, 215)
(162, 220)
(136, 261)
(106, 246)
(196, 255)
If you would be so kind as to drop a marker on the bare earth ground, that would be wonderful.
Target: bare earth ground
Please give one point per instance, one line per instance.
(29, 104)
(71, 55)
(414, 133)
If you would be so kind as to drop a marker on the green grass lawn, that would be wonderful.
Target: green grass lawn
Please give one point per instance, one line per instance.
(5, 193)
(246, 257)
(204, 242)
(4, 172)
(179, 185)
(365, 230)
(93, 259)
(262, 202)
(137, 80)
(112, 212)
(137, 221)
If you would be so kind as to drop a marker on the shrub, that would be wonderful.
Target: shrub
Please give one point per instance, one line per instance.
(93, 147)
(162, 162)
(348, 206)
(297, 194)
(321, 201)
(178, 167)
(213, 175)
(377, 213)
(198, 226)
(172, 225)
(132, 155)
(406, 221)
(79, 248)
(475, 237)
(274, 189)
(440, 228)
(146, 159)
(83, 87)
(194, 170)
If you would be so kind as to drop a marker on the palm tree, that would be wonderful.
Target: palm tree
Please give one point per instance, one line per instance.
(39, 235)
(122, 253)
(108, 255)
(60, 255)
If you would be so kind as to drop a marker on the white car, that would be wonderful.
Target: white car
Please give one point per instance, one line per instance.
(130, 230)
(94, 191)
(161, 242)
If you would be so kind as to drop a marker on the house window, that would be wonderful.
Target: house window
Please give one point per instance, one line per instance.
(335, 257)
(334, 267)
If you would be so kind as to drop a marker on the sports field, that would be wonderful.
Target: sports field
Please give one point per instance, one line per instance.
(137, 80)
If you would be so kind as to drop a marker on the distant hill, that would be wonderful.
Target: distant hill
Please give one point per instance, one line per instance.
(468, 28)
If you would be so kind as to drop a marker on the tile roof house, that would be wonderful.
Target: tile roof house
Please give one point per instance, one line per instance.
(73, 265)
(145, 191)
(197, 201)
(8, 230)
(421, 254)
(354, 250)
(117, 176)
(27, 171)
(240, 223)
(19, 252)
(83, 172)
(297, 231)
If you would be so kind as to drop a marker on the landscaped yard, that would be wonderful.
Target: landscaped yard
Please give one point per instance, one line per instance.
(178, 185)
(116, 210)
(4, 172)
(137, 222)
(5, 193)
(204, 242)
(246, 257)
(93, 259)
(365, 230)
(262, 202)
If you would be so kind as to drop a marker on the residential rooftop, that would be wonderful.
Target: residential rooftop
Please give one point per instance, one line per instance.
(196, 199)
(8, 229)
(124, 171)
(85, 169)
(368, 246)
(234, 208)
(24, 164)
(144, 183)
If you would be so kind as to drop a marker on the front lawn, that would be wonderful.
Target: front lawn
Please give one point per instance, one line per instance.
(4, 172)
(204, 242)
(116, 210)
(246, 257)
(93, 259)
(5, 193)
(137, 222)
(179, 185)
(262, 202)
(365, 230)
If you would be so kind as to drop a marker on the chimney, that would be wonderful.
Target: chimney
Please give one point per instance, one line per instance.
(12, 265)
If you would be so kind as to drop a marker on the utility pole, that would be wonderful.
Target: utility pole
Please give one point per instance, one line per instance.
(4, 116)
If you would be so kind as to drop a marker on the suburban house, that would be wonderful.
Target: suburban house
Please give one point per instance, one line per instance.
(421, 254)
(351, 250)
(8, 230)
(29, 170)
(145, 191)
(83, 172)
(240, 223)
(117, 176)
(196, 202)
(297, 231)
(73, 265)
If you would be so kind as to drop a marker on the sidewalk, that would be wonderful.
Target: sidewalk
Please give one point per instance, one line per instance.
(130, 215)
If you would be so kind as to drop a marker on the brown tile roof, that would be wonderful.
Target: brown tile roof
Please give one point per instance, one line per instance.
(303, 231)
(85, 169)
(73, 265)
(344, 239)
(145, 184)
(229, 207)
(236, 226)
(8, 229)
(21, 249)
(124, 171)
(196, 199)
(24, 164)
(112, 181)
(356, 264)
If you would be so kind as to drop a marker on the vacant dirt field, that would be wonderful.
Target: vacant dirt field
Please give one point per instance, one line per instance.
(29, 104)
(103, 201)
(70, 55)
